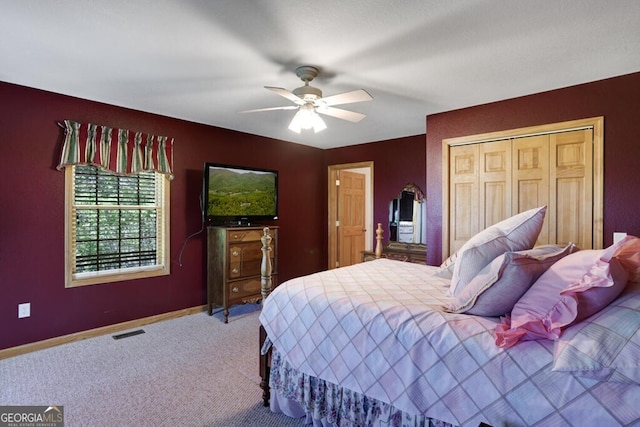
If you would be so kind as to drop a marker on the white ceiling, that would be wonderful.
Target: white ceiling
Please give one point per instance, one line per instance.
(205, 61)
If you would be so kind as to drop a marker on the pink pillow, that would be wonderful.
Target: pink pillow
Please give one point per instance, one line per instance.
(572, 289)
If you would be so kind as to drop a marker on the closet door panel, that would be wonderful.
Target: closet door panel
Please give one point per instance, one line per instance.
(570, 219)
(464, 195)
(571, 187)
(531, 178)
(495, 182)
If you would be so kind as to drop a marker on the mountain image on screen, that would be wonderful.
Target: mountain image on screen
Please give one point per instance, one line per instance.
(237, 192)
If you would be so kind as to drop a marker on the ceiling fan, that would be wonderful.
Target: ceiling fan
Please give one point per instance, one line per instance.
(309, 102)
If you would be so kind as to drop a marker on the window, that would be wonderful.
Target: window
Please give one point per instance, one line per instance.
(117, 226)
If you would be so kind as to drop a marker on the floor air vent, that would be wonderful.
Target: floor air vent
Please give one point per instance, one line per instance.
(128, 334)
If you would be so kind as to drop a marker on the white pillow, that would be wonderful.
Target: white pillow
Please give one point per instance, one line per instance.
(499, 286)
(517, 233)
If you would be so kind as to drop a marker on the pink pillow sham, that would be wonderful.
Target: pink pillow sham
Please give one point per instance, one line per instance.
(572, 289)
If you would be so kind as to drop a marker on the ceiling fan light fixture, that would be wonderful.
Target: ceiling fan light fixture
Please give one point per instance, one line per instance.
(307, 118)
(318, 123)
(310, 103)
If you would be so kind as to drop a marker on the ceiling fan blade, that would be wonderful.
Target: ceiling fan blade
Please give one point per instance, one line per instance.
(286, 94)
(287, 107)
(359, 95)
(339, 113)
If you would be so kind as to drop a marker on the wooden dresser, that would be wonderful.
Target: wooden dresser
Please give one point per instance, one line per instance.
(234, 255)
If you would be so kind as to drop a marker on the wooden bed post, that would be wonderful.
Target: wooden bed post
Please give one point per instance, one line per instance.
(265, 289)
(379, 232)
(265, 266)
(264, 368)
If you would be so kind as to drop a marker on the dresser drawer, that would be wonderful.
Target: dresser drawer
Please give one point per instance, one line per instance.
(396, 256)
(244, 236)
(245, 260)
(244, 269)
(405, 252)
(239, 289)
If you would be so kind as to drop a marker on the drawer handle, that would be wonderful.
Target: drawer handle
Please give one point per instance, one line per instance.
(236, 237)
(235, 253)
(235, 289)
(235, 271)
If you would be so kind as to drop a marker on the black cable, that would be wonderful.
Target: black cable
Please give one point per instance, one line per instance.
(193, 234)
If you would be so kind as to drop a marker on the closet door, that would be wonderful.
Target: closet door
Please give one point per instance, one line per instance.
(571, 190)
(494, 182)
(463, 196)
(531, 178)
(490, 177)
(480, 176)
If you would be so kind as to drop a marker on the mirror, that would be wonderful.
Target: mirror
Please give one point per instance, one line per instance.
(407, 216)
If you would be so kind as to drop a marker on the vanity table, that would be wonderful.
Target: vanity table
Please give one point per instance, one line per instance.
(409, 252)
(406, 229)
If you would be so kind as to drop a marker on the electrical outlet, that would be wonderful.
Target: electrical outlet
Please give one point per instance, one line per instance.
(24, 310)
(617, 236)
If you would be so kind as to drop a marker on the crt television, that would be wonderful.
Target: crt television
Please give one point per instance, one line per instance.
(239, 195)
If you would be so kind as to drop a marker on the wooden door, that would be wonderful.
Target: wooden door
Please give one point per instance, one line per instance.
(333, 175)
(531, 179)
(494, 177)
(464, 206)
(481, 188)
(557, 165)
(351, 218)
(571, 176)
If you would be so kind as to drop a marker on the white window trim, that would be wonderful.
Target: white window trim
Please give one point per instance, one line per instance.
(84, 279)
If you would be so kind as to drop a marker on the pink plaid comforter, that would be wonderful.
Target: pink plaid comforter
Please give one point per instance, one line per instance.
(377, 328)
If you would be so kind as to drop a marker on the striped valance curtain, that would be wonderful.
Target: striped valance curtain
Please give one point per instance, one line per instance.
(118, 150)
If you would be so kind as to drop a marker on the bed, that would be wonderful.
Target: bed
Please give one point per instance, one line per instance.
(390, 343)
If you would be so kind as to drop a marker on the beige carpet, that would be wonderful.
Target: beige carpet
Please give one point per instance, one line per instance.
(190, 371)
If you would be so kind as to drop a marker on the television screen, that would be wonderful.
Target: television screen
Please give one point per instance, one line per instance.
(239, 195)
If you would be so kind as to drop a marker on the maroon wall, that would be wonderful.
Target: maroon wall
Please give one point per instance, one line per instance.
(32, 210)
(32, 214)
(617, 99)
(32, 194)
(396, 162)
